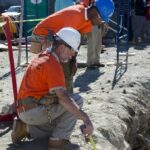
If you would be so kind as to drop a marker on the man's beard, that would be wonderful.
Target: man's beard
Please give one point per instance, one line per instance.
(65, 60)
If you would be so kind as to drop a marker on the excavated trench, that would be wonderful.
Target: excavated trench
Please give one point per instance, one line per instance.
(126, 118)
(138, 132)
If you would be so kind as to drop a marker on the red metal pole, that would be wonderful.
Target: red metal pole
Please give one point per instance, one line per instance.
(11, 60)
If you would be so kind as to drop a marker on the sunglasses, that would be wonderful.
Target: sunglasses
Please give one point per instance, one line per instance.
(68, 46)
(63, 42)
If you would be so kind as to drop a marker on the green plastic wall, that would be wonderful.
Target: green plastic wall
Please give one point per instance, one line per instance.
(34, 9)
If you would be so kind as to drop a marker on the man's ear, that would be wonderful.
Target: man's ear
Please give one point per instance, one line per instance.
(91, 12)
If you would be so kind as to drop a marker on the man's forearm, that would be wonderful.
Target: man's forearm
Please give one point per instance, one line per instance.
(70, 106)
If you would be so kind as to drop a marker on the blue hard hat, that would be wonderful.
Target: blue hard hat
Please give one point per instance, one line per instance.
(105, 8)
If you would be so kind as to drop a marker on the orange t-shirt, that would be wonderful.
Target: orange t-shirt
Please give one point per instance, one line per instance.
(88, 2)
(73, 16)
(44, 74)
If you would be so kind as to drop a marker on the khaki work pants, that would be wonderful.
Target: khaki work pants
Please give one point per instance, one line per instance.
(62, 122)
(94, 45)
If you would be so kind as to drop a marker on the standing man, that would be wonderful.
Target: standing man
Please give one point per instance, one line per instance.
(79, 17)
(43, 113)
(139, 26)
(94, 38)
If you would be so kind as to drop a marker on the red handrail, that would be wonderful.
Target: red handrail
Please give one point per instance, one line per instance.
(11, 60)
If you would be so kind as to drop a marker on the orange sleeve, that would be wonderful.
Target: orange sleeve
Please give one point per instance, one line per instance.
(73, 16)
(86, 29)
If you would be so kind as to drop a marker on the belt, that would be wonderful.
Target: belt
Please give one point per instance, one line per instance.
(48, 100)
(24, 108)
(28, 103)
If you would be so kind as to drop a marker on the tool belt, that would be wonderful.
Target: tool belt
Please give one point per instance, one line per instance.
(36, 43)
(40, 43)
(29, 103)
(48, 99)
(36, 47)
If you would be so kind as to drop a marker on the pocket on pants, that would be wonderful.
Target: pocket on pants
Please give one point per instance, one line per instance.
(35, 116)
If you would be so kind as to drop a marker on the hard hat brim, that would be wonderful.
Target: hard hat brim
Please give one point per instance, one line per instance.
(75, 49)
(105, 9)
(104, 18)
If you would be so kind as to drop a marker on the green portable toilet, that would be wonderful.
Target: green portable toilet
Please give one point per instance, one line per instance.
(34, 9)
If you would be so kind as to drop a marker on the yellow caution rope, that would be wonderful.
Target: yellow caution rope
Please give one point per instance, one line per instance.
(30, 20)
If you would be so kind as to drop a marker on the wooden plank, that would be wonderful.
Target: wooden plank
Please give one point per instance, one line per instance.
(4, 47)
(115, 64)
(129, 54)
(82, 64)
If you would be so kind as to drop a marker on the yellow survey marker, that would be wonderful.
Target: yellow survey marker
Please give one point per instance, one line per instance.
(88, 139)
(92, 142)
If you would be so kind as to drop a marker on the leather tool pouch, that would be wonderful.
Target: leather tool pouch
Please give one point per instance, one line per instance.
(48, 100)
(36, 47)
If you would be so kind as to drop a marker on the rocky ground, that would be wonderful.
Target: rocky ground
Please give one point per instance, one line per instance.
(115, 97)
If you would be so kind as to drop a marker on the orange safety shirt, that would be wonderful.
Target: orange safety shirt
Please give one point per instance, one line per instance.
(74, 16)
(88, 2)
(43, 75)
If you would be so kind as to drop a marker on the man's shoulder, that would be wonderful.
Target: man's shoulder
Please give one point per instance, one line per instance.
(41, 58)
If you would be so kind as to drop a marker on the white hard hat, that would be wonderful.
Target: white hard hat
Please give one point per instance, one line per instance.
(71, 36)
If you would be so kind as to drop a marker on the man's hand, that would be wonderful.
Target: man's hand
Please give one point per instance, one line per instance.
(88, 128)
(71, 106)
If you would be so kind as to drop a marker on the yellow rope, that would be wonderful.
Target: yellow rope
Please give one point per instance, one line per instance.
(2, 24)
(30, 20)
(12, 26)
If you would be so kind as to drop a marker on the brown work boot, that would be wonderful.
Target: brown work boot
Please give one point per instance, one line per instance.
(19, 131)
(62, 145)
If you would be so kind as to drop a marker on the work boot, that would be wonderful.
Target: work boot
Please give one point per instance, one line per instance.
(62, 145)
(99, 65)
(95, 66)
(19, 131)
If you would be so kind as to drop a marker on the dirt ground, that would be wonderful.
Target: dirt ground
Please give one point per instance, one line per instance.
(95, 86)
